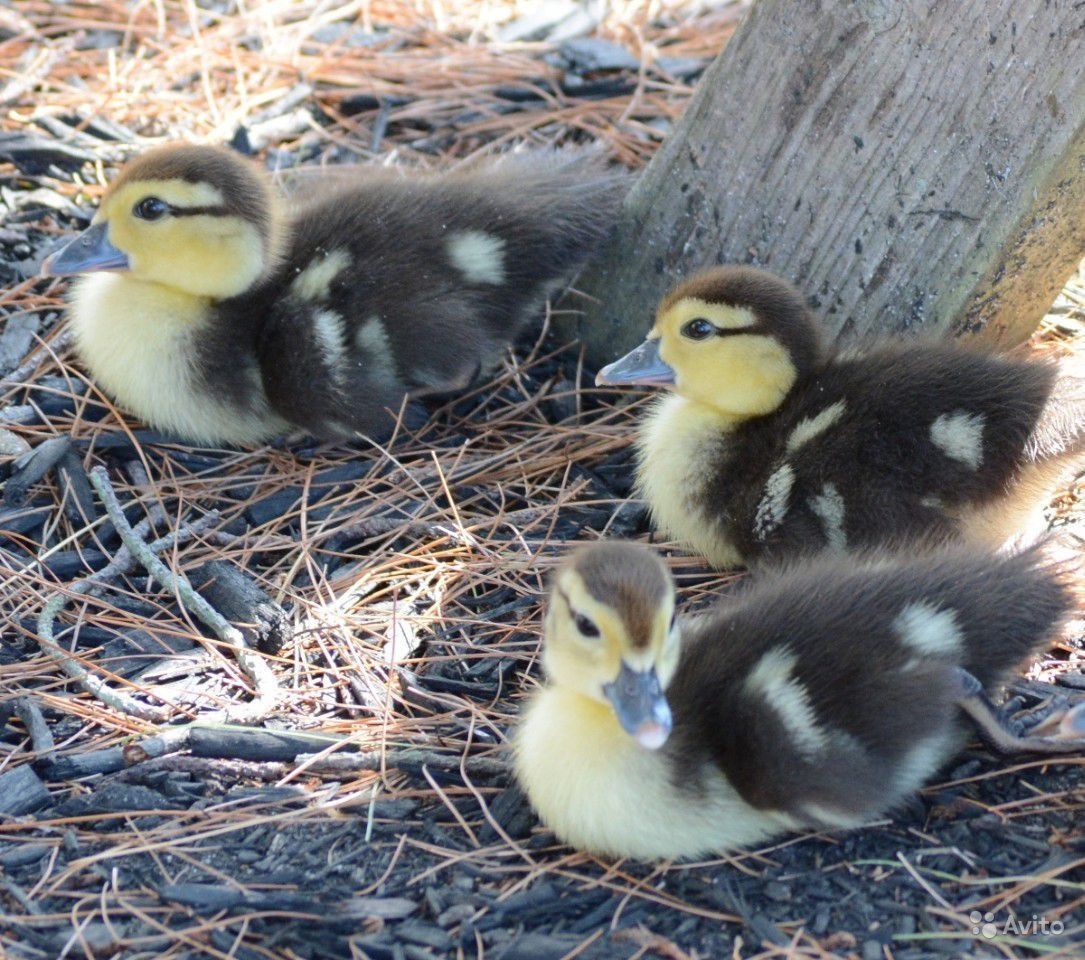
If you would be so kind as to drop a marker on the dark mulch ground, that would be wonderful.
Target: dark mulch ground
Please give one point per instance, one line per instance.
(403, 586)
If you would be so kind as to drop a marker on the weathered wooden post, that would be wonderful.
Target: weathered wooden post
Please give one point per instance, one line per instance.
(909, 163)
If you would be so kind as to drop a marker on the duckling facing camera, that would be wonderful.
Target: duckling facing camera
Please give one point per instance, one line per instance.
(770, 446)
(214, 311)
(819, 697)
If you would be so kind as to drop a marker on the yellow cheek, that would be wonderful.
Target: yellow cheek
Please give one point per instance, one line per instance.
(579, 664)
(667, 660)
(748, 375)
(142, 242)
(203, 256)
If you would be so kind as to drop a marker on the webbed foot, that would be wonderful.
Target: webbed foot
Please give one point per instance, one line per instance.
(1060, 728)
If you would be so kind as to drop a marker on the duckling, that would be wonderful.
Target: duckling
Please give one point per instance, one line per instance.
(771, 445)
(820, 697)
(216, 312)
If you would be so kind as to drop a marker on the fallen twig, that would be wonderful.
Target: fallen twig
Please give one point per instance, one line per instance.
(259, 753)
(406, 760)
(266, 686)
(112, 759)
(41, 738)
(311, 751)
(205, 767)
(121, 564)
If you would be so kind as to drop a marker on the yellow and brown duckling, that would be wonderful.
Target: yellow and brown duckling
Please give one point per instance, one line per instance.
(771, 445)
(215, 312)
(820, 697)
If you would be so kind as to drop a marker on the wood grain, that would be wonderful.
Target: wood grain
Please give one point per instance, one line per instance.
(910, 164)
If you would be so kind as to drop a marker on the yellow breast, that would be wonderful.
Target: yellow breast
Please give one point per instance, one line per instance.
(139, 341)
(599, 791)
(680, 447)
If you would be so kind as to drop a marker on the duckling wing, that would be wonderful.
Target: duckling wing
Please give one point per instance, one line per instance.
(394, 287)
(956, 421)
(828, 690)
(827, 509)
(321, 376)
(800, 717)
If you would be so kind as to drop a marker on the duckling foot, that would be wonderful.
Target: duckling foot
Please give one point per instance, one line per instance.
(1062, 730)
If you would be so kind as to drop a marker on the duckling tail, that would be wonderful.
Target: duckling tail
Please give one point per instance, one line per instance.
(1014, 605)
(1059, 433)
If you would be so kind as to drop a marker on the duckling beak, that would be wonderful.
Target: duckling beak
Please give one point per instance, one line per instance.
(90, 252)
(640, 366)
(640, 706)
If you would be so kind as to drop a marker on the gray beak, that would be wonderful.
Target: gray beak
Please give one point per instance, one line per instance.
(640, 706)
(640, 366)
(90, 252)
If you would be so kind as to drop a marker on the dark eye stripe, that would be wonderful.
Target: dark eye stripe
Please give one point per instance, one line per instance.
(686, 331)
(737, 331)
(218, 211)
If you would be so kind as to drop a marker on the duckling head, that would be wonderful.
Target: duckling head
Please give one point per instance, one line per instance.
(611, 635)
(198, 219)
(734, 338)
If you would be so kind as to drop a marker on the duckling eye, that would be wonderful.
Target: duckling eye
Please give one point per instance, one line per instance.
(698, 329)
(585, 626)
(151, 208)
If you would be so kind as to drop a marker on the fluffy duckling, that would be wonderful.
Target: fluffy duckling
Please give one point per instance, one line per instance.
(770, 445)
(820, 697)
(214, 312)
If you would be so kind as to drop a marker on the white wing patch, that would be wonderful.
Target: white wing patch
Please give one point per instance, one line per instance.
(479, 256)
(922, 761)
(960, 436)
(772, 679)
(806, 430)
(372, 339)
(829, 508)
(314, 282)
(928, 630)
(775, 501)
(328, 329)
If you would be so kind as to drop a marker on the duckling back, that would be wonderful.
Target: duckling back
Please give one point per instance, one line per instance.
(1060, 430)
(402, 286)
